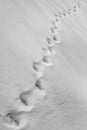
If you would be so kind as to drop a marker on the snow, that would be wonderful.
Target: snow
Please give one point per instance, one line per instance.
(25, 26)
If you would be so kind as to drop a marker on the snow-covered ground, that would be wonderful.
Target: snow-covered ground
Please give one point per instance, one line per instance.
(25, 26)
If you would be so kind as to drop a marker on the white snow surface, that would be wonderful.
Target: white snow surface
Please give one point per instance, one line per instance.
(24, 27)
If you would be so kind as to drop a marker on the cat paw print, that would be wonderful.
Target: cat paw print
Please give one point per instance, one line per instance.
(15, 120)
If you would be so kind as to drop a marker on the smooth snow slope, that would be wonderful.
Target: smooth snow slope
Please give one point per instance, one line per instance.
(24, 27)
